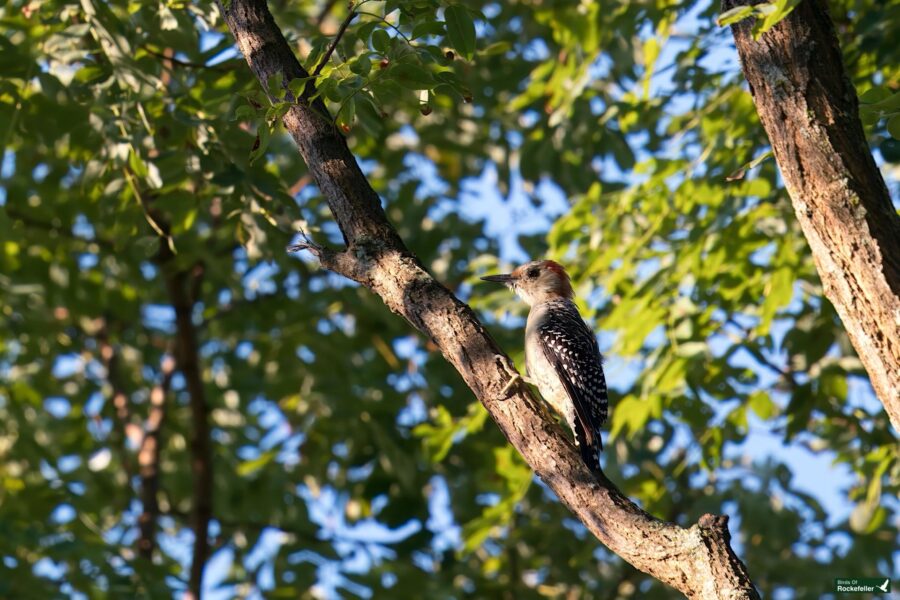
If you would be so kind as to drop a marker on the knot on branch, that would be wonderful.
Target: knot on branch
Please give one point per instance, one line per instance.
(714, 526)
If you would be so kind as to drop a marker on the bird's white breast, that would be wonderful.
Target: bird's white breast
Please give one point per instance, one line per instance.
(541, 371)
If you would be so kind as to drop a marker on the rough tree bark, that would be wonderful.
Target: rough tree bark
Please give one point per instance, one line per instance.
(810, 112)
(697, 561)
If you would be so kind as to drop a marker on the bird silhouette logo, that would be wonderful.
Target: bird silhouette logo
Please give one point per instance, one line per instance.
(884, 587)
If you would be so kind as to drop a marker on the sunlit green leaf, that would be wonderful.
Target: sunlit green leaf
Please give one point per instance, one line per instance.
(460, 30)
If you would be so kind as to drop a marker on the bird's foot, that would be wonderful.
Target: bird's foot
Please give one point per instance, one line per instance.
(512, 381)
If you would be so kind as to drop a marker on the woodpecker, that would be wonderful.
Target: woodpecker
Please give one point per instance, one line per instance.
(561, 354)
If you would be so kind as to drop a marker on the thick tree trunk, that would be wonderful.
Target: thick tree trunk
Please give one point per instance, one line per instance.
(810, 112)
(697, 561)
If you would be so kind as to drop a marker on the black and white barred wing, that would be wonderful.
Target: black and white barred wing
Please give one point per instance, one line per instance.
(570, 346)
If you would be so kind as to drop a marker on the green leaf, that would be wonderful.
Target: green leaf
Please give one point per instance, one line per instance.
(734, 15)
(772, 14)
(630, 416)
(874, 95)
(651, 53)
(381, 41)
(263, 135)
(893, 127)
(496, 48)
(138, 166)
(274, 85)
(460, 30)
(412, 76)
(760, 403)
(347, 113)
(298, 85)
(250, 467)
(778, 293)
(361, 65)
(428, 28)
(277, 111)
(364, 31)
(244, 113)
(739, 174)
(867, 517)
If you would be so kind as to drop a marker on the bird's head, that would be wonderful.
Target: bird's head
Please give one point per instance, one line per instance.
(536, 281)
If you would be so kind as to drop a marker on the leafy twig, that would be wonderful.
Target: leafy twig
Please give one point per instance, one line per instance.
(151, 219)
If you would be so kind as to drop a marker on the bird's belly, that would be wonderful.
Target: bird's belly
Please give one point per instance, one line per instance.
(542, 373)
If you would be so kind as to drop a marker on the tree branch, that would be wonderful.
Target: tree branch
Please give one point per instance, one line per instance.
(181, 288)
(810, 112)
(697, 561)
(148, 461)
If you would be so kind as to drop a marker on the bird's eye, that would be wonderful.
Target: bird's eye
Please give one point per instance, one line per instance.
(533, 272)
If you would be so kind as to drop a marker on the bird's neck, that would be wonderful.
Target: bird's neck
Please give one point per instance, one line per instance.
(540, 299)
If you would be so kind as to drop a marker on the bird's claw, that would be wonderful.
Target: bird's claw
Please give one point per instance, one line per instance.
(512, 381)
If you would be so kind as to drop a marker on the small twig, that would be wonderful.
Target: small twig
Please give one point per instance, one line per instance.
(306, 244)
(185, 63)
(337, 38)
(344, 262)
(160, 230)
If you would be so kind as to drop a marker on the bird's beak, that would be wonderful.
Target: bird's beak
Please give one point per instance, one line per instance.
(505, 279)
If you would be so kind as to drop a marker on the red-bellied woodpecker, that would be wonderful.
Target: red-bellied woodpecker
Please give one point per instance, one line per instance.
(561, 353)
